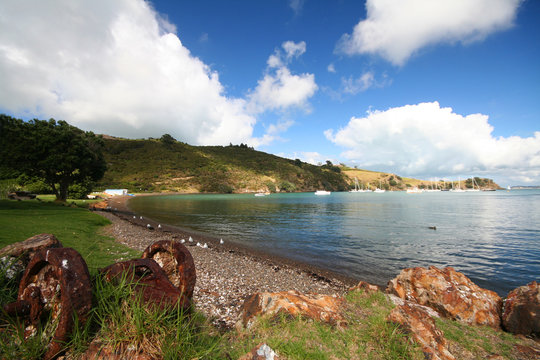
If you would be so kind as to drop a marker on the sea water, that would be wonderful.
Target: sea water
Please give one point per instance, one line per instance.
(492, 237)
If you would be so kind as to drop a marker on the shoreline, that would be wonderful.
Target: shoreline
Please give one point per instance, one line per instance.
(123, 211)
(226, 273)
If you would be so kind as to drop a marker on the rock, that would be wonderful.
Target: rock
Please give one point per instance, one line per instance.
(521, 311)
(102, 205)
(450, 293)
(21, 195)
(421, 327)
(18, 255)
(99, 351)
(367, 287)
(399, 302)
(324, 308)
(260, 352)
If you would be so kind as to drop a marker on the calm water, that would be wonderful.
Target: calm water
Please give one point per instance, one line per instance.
(492, 237)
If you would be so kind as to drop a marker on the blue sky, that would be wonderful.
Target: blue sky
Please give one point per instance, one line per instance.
(422, 88)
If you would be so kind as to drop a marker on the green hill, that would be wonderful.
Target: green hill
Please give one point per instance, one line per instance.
(157, 165)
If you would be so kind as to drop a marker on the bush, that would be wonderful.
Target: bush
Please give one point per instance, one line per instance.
(287, 186)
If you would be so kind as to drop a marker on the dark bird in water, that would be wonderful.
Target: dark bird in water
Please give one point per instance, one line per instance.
(433, 227)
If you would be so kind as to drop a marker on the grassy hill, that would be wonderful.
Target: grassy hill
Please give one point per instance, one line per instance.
(154, 165)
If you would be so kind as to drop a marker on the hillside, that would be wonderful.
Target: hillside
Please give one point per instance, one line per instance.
(156, 165)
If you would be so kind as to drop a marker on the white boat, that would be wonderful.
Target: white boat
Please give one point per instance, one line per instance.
(322, 192)
(414, 190)
(458, 189)
(378, 190)
(261, 194)
(356, 187)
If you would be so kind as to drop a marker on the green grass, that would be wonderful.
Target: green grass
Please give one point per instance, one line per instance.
(74, 227)
(367, 335)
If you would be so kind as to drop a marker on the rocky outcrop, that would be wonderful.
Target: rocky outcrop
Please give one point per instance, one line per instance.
(418, 323)
(261, 352)
(366, 287)
(521, 312)
(323, 308)
(450, 293)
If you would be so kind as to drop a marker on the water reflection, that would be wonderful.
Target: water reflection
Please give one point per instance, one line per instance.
(491, 237)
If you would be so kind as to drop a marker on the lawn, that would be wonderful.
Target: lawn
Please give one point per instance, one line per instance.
(75, 227)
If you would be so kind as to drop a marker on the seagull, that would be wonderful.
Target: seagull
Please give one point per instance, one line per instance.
(159, 226)
(221, 241)
(140, 218)
(182, 241)
(190, 239)
(134, 217)
(199, 244)
(205, 246)
(149, 226)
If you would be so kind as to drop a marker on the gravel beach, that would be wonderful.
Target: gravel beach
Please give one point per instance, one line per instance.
(226, 273)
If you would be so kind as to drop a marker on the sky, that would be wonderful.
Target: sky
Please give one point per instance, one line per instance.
(431, 89)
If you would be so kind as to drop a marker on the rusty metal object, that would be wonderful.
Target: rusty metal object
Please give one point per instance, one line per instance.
(150, 281)
(177, 262)
(54, 288)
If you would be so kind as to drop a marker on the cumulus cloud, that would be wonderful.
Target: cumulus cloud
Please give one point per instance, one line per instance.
(428, 140)
(280, 89)
(397, 29)
(114, 67)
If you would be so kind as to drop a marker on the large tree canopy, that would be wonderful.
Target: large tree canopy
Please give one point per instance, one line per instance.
(55, 151)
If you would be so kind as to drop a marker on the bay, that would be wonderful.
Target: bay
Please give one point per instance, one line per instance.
(492, 237)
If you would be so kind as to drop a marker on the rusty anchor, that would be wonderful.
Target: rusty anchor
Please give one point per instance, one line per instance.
(150, 282)
(177, 262)
(55, 288)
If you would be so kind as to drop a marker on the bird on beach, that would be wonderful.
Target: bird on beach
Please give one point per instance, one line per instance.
(149, 226)
(199, 244)
(159, 226)
(205, 246)
(134, 217)
(190, 239)
(221, 241)
(140, 218)
(182, 241)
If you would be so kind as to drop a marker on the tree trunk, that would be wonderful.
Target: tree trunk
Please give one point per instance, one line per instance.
(62, 194)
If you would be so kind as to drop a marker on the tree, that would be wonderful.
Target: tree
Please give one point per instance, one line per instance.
(167, 140)
(54, 151)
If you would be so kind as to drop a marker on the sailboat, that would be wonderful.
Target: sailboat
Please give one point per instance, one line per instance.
(458, 189)
(477, 188)
(378, 190)
(356, 187)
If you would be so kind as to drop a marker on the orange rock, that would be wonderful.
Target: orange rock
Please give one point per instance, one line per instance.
(318, 307)
(450, 293)
(102, 205)
(367, 287)
(521, 312)
(421, 326)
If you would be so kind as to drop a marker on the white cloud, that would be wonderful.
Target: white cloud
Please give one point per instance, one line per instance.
(362, 83)
(331, 68)
(114, 67)
(397, 29)
(279, 89)
(427, 140)
(293, 49)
